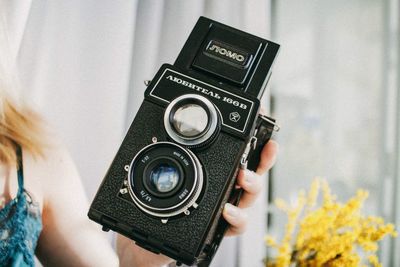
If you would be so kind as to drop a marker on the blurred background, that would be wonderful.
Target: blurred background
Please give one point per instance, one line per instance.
(334, 90)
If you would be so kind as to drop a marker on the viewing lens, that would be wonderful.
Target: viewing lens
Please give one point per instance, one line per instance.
(190, 120)
(164, 177)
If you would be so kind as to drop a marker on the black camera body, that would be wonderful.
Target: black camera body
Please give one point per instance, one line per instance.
(198, 124)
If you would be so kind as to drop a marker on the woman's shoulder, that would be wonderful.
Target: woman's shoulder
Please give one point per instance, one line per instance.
(53, 153)
(45, 174)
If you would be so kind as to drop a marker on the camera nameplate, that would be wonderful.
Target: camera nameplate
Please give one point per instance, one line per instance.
(236, 109)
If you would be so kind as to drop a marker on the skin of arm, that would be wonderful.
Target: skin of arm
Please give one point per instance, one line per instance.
(69, 238)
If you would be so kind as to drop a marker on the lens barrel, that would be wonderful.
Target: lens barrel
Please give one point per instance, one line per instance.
(191, 120)
(165, 179)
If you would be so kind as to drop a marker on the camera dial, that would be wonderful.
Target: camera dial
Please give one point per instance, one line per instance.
(165, 179)
(191, 120)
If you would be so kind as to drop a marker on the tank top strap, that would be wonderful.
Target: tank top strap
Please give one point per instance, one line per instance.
(20, 170)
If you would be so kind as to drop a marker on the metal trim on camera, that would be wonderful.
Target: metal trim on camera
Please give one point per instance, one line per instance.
(184, 192)
(200, 129)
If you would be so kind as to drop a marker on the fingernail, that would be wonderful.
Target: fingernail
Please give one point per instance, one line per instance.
(231, 210)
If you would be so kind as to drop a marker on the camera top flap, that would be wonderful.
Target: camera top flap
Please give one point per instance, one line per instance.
(232, 58)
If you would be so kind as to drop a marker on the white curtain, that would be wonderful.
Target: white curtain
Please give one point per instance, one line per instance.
(83, 63)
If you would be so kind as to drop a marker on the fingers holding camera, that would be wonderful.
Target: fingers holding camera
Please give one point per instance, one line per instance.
(268, 157)
(251, 184)
(236, 217)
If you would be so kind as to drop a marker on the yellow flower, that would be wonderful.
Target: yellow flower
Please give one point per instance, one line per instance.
(313, 194)
(373, 259)
(329, 235)
(270, 241)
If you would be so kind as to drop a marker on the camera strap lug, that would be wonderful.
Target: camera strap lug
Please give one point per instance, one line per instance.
(276, 128)
(265, 126)
(147, 82)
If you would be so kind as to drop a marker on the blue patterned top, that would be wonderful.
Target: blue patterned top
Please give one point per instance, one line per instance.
(20, 226)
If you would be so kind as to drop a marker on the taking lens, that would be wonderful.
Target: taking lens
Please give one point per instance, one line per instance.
(190, 120)
(164, 177)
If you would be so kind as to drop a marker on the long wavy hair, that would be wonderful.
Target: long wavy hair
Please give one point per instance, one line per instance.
(19, 124)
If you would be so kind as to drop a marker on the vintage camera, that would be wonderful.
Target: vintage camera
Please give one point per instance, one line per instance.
(198, 124)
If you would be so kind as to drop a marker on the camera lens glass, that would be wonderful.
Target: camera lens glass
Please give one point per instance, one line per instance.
(190, 120)
(164, 177)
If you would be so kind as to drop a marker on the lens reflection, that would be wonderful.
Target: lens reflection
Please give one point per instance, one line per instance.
(190, 120)
(164, 177)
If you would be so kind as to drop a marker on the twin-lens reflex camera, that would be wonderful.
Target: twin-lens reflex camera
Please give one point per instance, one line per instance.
(199, 123)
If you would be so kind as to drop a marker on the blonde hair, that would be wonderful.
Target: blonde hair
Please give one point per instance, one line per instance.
(19, 125)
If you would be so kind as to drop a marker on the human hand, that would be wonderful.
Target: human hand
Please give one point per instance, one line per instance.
(250, 182)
